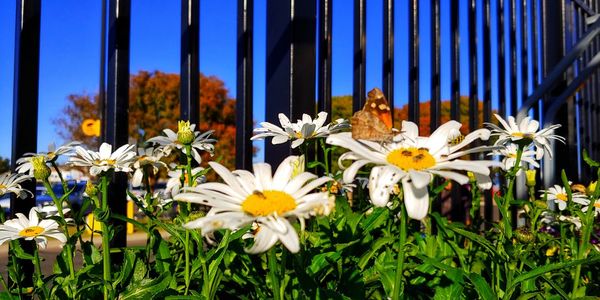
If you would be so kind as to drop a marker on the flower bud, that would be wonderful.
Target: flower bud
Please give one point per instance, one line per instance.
(530, 177)
(297, 166)
(592, 187)
(579, 188)
(541, 204)
(185, 135)
(524, 235)
(551, 251)
(40, 170)
(91, 189)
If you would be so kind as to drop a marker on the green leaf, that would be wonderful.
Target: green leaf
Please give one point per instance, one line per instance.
(6, 296)
(548, 268)
(322, 260)
(476, 238)
(377, 218)
(481, 286)
(592, 163)
(364, 259)
(127, 268)
(146, 288)
(17, 251)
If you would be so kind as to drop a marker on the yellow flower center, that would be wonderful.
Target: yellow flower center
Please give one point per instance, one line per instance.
(32, 231)
(411, 158)
(561, 197)
(265, 203)
(110, 162)
(522, 135)
(2, 186)
(597, 204)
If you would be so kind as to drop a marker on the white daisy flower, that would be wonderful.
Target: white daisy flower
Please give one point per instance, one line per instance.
(31, 229)
(570, 219)
(586, 206)
(558, 195)
(11, 183)
(262, 198)
(146, 157)
(174, 186)
(302, 130)
(185, 135)
(509, 154)
(525, 133)
(414, 160)
(25, 163)
(104, 159)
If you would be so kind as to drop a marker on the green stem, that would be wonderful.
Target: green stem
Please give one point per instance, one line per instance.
(398, 285)
(62, 181)
(583, 243)
(38, 273)
(273, 272)
(15, 268)
(68, 245)
(187, 261)
(105, 240)
(511, 176)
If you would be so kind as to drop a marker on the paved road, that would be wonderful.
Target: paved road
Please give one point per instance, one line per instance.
(49, 254)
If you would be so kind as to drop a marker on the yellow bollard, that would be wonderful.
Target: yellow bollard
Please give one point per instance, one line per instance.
(129, 215)
(92, 223)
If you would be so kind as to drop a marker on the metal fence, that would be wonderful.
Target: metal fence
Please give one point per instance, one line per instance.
(545, 58)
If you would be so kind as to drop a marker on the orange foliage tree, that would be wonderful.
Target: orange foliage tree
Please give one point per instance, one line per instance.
(154, 106)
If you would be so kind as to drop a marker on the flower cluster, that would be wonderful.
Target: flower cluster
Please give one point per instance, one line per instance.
(304, 129)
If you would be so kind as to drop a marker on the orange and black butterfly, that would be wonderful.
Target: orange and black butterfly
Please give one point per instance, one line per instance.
(374, 121)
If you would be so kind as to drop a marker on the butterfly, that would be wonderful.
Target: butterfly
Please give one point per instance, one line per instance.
(374, 121)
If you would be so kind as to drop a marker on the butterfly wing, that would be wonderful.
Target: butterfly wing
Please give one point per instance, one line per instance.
(378, 105)
(374, 121)
(367, 126)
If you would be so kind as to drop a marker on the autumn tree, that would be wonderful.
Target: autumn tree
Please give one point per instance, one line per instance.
(4, 165)
(154, 106)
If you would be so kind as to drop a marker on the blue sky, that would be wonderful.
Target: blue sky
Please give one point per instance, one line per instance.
(69, 54)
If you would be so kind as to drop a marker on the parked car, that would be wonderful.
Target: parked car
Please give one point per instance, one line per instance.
(44, 200)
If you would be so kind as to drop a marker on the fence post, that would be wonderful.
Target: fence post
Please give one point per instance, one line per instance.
(290, 65)
(189, 93)
(244, 113)
(116, 118)
(25, 104)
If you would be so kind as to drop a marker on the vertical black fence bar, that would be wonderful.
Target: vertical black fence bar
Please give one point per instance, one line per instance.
(501, 58)
(457, 213)
(436, 102)
(388, 52)
(278, 90)
(189, 85)
(595, 96)
(413, 61)
(102, 75)
(244, 90)
(582, 99)
(324, 101)
(534, 52)
(454, 61)
(325, 38)
(571, 110)
(25, 106)
(552, 45)
(473, 97)
(25, 92)
(488, 212)
(115, 123)
(524, 53)
(360, 54)
(513, 57)
(290, 65)
(486, 60)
